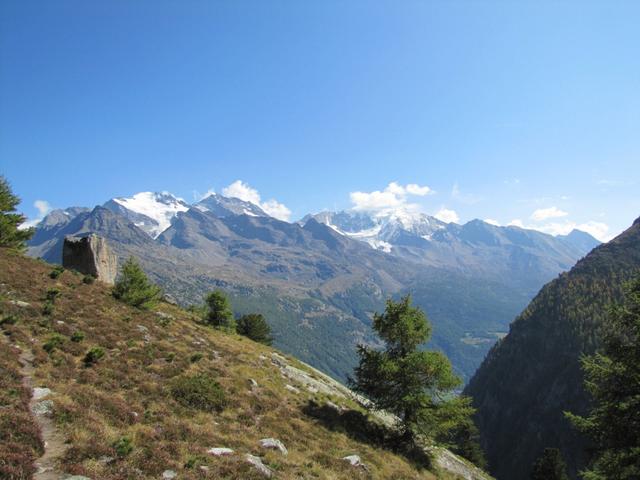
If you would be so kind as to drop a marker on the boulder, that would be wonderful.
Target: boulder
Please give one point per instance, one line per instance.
(90, 255)
(220, 451)
(274, 444)
(39, 393)
(354, 460)
(169, 474)
(258, 465)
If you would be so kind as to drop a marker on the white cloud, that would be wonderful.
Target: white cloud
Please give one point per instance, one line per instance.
(598, 230)
(43, 208)
(516, 222)
(390, 200)
(464, 197)
(243, 191)
(491, 221)
(546, 213)
(447, 216)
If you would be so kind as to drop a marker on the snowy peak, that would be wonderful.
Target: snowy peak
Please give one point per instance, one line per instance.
(225, 206)
(150, 211)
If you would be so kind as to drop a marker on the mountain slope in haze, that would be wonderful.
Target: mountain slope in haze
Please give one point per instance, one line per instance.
(319, 288)
(533, 375)
(126, 415)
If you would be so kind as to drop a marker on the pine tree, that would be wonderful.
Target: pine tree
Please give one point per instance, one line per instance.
(218, 311)
(612, 377)
(10, 235)
(549, 466)
(415, 385)
(255, 327)
(133, 286)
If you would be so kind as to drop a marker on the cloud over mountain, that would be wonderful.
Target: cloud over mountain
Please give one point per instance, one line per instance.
(243, 191)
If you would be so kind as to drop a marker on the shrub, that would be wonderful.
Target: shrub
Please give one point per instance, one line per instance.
(9, 320)
(133, 286)
(196, 357)
(47, 308)
(56, 272)
(171, 356)
(93, 355)
(88, 279)
(52, 294)
(77, 336)
(123, 446)
(218, 311)
(55, 340)
(199, 391)
(255, 327)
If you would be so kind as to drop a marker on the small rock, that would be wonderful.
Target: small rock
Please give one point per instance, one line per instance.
(273, 443)
(354, 460)
(44, 407)
(164, 315)
(60, 322)
(291, 388)
(170, 299)
(106, 459)
(204, 468)
(259, 466)
(19, 303)
(312, 389)
(142, 328)
(220, 451)
(169, 474)
(262, 357)
(40, 392)
(77, 477)
(253, 383)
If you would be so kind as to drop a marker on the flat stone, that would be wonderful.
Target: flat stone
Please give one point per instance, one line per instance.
(44, 407)
(169, 474)
(19, 303)
(40, 392)
(274, 444)
(291, 388)
(258, 465)
(77, 477)
(220, 451)
(253, 383)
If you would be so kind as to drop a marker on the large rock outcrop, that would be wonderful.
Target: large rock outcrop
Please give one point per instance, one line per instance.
(90, 255)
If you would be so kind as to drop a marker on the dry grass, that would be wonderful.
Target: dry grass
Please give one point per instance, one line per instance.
(127, 394)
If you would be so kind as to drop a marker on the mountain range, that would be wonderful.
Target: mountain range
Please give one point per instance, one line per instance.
(533, 375)
(318, 281)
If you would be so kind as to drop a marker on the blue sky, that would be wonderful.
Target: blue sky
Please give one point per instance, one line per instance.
(501, 108)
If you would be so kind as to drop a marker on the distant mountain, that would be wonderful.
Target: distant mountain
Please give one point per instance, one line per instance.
(580, 239)
(221, 206)
(149, 211)
(531, 376)
(319, 284)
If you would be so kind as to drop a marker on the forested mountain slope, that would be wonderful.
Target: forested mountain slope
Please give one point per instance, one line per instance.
(533, 375)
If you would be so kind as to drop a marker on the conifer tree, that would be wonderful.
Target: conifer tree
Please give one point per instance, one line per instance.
(218, 311)
(133, 286)
(416, 385)
(549, 466)
(254, 326)
(612, 377)
(10, 235)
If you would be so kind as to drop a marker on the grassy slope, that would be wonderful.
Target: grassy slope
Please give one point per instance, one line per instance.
(126, 393)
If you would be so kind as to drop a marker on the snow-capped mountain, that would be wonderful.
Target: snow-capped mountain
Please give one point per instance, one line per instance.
(221, 206)
(382, 232)
(150, 211)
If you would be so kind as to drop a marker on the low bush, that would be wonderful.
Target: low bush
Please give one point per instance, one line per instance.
(77, 336)
(123, 446)
(56, 272)
(93, 355)
(47, 308)
(200, 391)
(196, 357)
(88, 279)
(52, 294)
(55, 341)
(9, 320)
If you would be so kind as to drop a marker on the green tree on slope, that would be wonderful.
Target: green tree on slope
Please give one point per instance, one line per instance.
(218, 311)
(612, 377)
(133, 286)
(415, 385)
(254, 326)
(10, 235)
